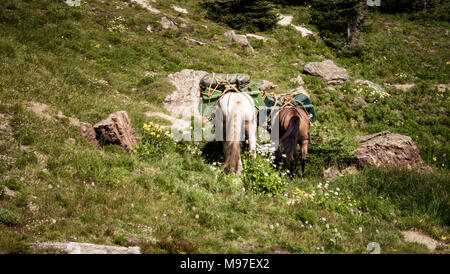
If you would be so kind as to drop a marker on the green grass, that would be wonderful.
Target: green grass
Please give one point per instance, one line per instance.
(177, 202)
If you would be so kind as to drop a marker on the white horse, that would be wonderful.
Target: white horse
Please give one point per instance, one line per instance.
(235, 110)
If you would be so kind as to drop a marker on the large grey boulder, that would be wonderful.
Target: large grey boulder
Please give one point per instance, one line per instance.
(117, 129)
(238, 38)
(329, 72)
(167, 23)
(82, 248)
(185, 99)
(386, 149)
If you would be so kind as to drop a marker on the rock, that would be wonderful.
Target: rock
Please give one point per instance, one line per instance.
(41, 110)
(179, 9)
(4, 123)
(194, 41)
(144, 4)
(72, 3)
(329, 72)
(443, 87)
(116, 129)
(417, 237)
(385, 149)
(186, 98)
(32, 207)
(331, 173)
(297, 80)
(8, 192)
(238, 38)
(257, 37)
(267, 86)
(82, 248)
(304, 31)
(166, 23)
(87, 130)
(370, 84)
(285, 20)
(404, 87)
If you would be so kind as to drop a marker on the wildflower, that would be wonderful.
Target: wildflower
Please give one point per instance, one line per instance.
(232, 230)
(153, 133)
(97, 46)
(196, 216)
(158, 135)
(434, 159)
(444, 238)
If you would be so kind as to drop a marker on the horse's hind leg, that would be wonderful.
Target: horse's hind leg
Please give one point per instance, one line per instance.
(304, 148)
(250, 133)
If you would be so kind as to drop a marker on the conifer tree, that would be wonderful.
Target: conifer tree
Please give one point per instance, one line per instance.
(248, 15)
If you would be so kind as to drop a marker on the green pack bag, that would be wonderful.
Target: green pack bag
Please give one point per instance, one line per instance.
(210, 97)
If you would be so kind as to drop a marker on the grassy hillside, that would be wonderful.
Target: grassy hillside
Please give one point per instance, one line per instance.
(92, 60)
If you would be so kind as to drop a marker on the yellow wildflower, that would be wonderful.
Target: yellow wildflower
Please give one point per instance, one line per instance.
(434, 159)
(444, 238)
(153, 133)
(158, 135)
(167, 132)
(97, 46)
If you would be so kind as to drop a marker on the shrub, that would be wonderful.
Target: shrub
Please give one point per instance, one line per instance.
(8, 217)
(13, 184)
(260, 177)
(306, 215)
(155, 142)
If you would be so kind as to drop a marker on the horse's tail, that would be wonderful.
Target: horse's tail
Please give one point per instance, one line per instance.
(233, 143)
(292, 130)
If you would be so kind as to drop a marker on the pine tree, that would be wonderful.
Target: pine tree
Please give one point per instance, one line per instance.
(338, 19)
(248, 15)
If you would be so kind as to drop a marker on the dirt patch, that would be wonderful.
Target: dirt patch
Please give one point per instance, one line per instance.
(413, 236)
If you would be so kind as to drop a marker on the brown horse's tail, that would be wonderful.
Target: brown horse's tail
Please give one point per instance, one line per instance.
(233, 144)
(292, 130)
(289, 141)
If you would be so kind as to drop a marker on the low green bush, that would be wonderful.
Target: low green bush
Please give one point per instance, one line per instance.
(260, 176)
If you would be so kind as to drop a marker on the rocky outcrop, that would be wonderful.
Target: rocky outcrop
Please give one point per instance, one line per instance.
(370, 84)
(117, 129)
(285, 20)
(167, 23)
(145, 5)
(329, 72)
(267, 86)
(82, 248)
(179, 9)
(386, 149)
(303, 31)
(238, 38)
(186, 98)
(257, 37)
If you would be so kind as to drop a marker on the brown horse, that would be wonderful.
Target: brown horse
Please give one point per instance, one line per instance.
(294, 128)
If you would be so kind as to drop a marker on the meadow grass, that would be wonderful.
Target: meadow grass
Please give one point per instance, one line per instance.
(96, 59)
